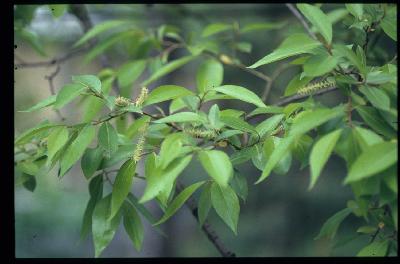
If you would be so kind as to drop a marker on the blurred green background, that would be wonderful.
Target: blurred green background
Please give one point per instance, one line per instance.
(279, 218)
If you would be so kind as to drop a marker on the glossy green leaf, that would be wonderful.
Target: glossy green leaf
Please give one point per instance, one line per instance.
(261, 26)
(295, 44)
(218, 165)
(239, 185)
(318, 19)
(356, 10)
(180, 117)
(241, 93)
(296, 83)
(58, 10)
(372, 160)
(68, 93)
(377, 97)
(389, 23)
(93, 105)
(74, 151)
(108, 138)
(91, 82)
(42, 104)
(266, 110)
(210, 74)
(215, 28)
(179, 200)
(320, 64)
(170, 149)
(331, 225)
(169, 67)
(166, 92)
(371, 116)
(204, 205)
(91, 161)
(122, 185)
(103, 228)
(133, 129)
(366, 137)
(237, 123)
(226, 204)
(133, 225)
(375, 249)
(56, 140)
(269, 124)
(128, 74)
(367, 229)
(320, 154)
(26, 136)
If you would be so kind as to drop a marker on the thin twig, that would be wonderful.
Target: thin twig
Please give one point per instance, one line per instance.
(50, 79)
(52, 62)
(275, 75)
(301, 19)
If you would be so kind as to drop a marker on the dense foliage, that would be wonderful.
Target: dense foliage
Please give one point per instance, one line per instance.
(362, 130)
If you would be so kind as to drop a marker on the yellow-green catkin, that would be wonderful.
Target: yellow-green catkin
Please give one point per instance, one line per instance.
(199, 133)
(313, 87)
(137, 154)
(142, 96)
(122, 101)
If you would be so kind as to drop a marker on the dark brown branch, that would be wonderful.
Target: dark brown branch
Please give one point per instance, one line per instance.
(52, 90)
(301, 19)
(52, 62)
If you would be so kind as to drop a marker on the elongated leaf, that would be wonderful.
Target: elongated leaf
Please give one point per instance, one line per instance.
(166, 92)
(204, 204)
(42, 104)
(372, 160)
(133, 129)
(241, 93)
(180, 117)
(320, 154)
(218, 165)
(266, 110)
(88, 81)
(108, 138)
(91, 161)
(158, 179)
(310, 119)
(170, 149)
(179, 201)
(276, 156)
(210, 74)
(170, 67)
(239, 185)
(226, 204)
(68, 93)
(318, 19)
(318, 65)
(237, 123)
(262, 26)
(366, 137)
(215, 28)
(93, 105)
(269, 124)
(377, 97)
(58, 10)
(371, 116)
(331, 226)
(294, 45)
(98, 29)
(56, 140)
(296, 83)
(133, 225)
(103, 228)
(375, 249)
(356, 10)
(122, 185)
(128, 74)
(31, 133)
(389, 23)
(74, 151)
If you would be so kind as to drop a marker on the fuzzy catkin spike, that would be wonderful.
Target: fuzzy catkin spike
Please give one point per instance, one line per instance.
(198, 133)
(137, 154)
(142, 96)
(313, 87)
(122, 101)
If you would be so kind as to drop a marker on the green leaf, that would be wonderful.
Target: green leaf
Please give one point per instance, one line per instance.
(29, 182)
(366, 229)
(319, 64)
(309, 119)
(389, 23)
(158, 179)
(75, 150)
(214, 117)
(204, 204)
(377, 97)
(296, 83)
(42, 104)
(103, 228)
(93, 105)
(133, 225)
(320, 154)
(58, 10)
(31, 133)
(239, 185)
(378, 77)
(294, 45)
(371, 116)
(169, 67)
(108, 138)
(91, 161)
(266, 110)
(56, 140)
(96, 193)
(98, 29)
(356, 10)
(170, 149)
(318, 19)
(331, 226)
(226, 204)
(133, 129)
(128, 74)
(68, 93)
(91, 82)
(122, 185)
(215, 28)
(372, 160)
(375, 249)
(241, 93)
(244, 47)
(179, 200)
(279, 152)
(166, 92)
(180, 117)
(237, 123)
(347, 52)
(366, 137)
(33, 39)
(210, 74)
(218, 165)
(269, 124)
(262, 26)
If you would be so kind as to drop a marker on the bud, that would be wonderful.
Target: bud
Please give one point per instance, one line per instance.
(142, 96)
(122, 101)
(381, 225)
(225, 59)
